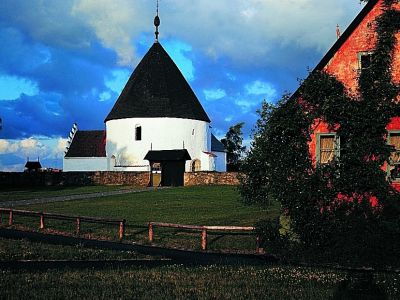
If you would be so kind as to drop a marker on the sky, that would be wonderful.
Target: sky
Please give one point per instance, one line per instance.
(66, 61)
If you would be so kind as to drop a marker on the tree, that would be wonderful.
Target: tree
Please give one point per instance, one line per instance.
(348, 204)
(233, 144)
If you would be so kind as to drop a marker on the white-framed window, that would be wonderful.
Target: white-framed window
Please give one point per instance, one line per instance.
(328, 147)
(365, 59)
(394, 160)
(138, 133)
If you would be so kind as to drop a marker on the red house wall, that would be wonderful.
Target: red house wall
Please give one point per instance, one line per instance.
(344, 66)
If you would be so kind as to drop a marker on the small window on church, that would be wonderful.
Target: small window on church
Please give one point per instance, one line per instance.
(192, 131)
(365, 60)
(138, 133)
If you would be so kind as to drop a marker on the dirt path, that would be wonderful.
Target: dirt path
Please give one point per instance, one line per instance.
(7, 204)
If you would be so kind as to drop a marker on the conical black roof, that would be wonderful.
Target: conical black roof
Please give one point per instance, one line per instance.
(155, 89)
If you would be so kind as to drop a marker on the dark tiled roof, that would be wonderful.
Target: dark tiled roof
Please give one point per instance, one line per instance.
(216, 145)
(157, 88)
(33, 165)
(88, 144)
(343, 38)
(164, 155)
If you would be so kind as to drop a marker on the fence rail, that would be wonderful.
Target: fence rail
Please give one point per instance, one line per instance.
(203, 230)
(78, 219)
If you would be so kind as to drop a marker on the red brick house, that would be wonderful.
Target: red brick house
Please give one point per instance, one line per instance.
(352, 52)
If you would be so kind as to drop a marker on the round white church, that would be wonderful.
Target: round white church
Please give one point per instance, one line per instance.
(157, 124)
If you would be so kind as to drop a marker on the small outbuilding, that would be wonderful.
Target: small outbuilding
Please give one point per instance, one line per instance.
(33, 166)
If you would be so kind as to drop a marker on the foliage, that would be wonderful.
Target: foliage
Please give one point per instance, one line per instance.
(233, 143)
(348, 204)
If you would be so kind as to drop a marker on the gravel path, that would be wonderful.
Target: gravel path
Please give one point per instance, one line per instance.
(73, 197)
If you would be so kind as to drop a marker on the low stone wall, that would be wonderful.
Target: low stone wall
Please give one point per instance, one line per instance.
(8, 179)
(211, 178)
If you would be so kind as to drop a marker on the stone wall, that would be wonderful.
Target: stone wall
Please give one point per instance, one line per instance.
(8, 179)
(211, 178)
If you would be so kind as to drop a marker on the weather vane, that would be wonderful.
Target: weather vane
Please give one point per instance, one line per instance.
(157, 23)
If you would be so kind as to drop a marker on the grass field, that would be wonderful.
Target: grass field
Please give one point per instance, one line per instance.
(44, 192)
(206, 205)
(11, 250)
(211, 205)
(182, 282)
(194, 205)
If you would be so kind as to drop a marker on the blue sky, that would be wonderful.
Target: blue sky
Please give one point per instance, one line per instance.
(67, 61)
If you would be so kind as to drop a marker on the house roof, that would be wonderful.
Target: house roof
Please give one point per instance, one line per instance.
(165, 155)
(346, 34)
(33, 165)
(87, 144)
(343, 38)
(216, 145)
(155, 89)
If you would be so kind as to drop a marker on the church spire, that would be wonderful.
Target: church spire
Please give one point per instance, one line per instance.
(157, 23)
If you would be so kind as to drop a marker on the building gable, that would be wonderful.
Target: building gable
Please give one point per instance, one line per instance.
(87, 144)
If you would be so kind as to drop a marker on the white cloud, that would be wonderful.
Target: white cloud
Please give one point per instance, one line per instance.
(259, 87)
(7, 147)
(23, 148)
(50, 150)
(61, 146)
(246, 105)
(228, 119)
(233, 28)
(11, 168)
(177, 50)
(11, 87)
(115, 22)
(118, 80)
(214, 94)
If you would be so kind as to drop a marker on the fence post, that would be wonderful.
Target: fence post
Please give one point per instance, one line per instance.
(41, 226)
(204, 239)
(78, 225)
(150, 232)
(10, 218)
(257, 243)
(121, 229)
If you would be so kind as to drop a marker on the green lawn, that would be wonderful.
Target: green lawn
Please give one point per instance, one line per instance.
(204, 205)
(44, 192)
(11, 250)
(182, 282)
(211, 205)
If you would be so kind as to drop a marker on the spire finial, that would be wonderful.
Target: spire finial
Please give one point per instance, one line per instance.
(157, 23)
(338, 31)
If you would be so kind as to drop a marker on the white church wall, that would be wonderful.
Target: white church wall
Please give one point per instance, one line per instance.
(157, 134)
(207, 162)
(84, 164)
(220, 161)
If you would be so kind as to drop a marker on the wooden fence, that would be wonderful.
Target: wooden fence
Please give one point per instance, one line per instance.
(77, 219)
(203, 230)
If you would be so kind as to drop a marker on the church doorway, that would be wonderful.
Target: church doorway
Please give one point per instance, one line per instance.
(168, 166)
(196, 165)
(155, 179)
